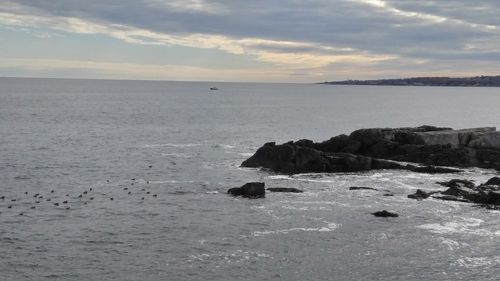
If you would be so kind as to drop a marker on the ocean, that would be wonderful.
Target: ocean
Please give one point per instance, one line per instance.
(139, 171)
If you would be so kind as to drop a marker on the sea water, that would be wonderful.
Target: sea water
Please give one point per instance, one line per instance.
(140, 170)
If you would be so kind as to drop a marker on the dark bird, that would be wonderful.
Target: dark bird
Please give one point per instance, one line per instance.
(126, 188)
(52, 191)
(33, 207)
(150, 166)
(36, 195)
(154, 195)
(9, 207)
(133, 179)
(40, 197)
(80, 196)
(147, 182)
(129, 192)
(65, 202)
(56, 204)
(67, 195)
(142, 198)
(85, 192)
(21, 214)
(132, 184)
(67, 208)
(48, 199)
(3, 197)
(111, 198)
(148, 192)
(107, 180)
(13, 200)
(38, 202)
(26, 192)
(90, 189)
(91, 198)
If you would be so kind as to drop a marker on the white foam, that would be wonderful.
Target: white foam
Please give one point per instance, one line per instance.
(280, 177)
(472, 262)
(246, 154)
(330, 227)
(468, 226)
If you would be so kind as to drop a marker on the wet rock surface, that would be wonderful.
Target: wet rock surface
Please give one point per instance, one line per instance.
(487, 193)
(249, 190)
(385, 214)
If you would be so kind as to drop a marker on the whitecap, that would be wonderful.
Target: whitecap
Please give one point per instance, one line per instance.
(472, 262)
(280, 177)
(468, 226)
(246, 154)
(330, 227)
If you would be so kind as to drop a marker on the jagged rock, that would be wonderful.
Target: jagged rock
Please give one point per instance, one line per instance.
(368, 149)
(249, 190)
(483, 194)
(362, 188)
(493, 181)
(419, 195)
(385, 214)
(285, 189)
(457, 183)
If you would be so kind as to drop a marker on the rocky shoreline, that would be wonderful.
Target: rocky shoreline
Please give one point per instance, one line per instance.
(430, 149)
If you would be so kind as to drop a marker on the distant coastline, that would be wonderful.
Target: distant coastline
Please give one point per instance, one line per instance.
(477, 81)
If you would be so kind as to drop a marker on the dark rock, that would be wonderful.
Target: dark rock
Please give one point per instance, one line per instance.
(457, 183)
(483, 194)
(249, 190)
(419, 195)
(493, 181)
(385, 214)
(368, 149)
(362, 188)
(285, 189)
(388, 194)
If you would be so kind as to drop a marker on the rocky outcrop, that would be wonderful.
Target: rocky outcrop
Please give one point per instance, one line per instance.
(249, 190)
(379, 148)
(465, 191)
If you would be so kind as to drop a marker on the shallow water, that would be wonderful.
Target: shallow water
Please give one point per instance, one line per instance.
(184, 143)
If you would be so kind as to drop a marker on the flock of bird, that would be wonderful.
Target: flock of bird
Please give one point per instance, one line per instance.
(64, 201)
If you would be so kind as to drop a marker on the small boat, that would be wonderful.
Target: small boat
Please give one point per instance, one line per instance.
(214, 89)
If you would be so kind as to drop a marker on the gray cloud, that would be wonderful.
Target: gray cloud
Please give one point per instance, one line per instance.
(427, 30)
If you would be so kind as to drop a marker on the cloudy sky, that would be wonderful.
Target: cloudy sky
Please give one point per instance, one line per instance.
(243, 40)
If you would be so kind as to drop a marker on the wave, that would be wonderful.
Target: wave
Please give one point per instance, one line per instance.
(472, 262)
(171, 145)
(330, 227)
(464, 226)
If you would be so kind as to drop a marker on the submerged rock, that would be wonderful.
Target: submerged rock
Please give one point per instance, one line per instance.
(249, 190)
(285, 189)
(385, 214)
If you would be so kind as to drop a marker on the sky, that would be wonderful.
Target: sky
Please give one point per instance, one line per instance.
(249, 40)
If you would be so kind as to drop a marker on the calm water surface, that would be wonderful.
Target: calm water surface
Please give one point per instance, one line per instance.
(176, 148)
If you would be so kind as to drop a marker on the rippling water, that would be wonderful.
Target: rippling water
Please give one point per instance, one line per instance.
(176, 147)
